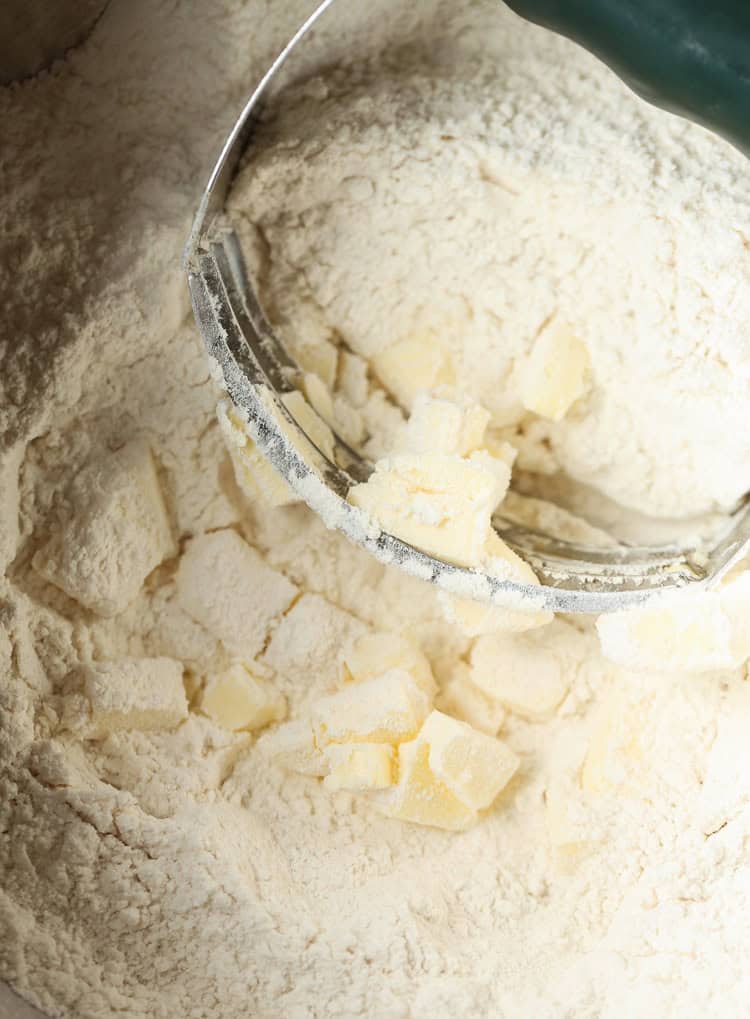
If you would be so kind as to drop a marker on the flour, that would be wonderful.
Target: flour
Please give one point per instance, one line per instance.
(155, 873)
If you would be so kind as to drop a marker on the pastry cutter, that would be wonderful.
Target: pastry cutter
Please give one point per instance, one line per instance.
(680, 54)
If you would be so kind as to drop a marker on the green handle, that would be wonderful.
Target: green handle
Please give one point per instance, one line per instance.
(691, 57)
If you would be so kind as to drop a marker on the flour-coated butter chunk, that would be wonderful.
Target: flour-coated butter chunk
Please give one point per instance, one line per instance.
(237, 700)
(415, 363)
(292, 746)
(255, 475)
(504, 563)
(420, 797)
(498, 467)
(474, 618)
(567, 827)
(463, 699)
(614, 760)
(116, 532)
(132, 693)
(227, 587)
(375, 653)
(353, 381)
(359, 766)
(557, 371)
(350, 425)
(440, 424)
(321, 358)
(387, 709)
(526, 677)
(439, 504)
(311, 423)
(473, 765)
(688, 632)
(499, 448)
(319, 397)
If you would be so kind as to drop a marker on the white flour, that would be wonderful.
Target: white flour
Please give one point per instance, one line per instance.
(165, 873)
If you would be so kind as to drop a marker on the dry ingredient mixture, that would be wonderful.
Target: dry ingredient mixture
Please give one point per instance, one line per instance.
(157, 613)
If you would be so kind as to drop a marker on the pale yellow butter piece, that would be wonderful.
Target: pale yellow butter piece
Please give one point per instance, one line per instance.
(526, 677)
(237, 700)
(320, 358)
(292, 746)
(568, 831)
(441, 424)
(387, 709)
(474, 618)
(255, 475)
(359, 766)
(319, 397)
(473, 765)
(690, 632)
(353, 382)
(557, 371)
(375, 653)
(439, 504)
(463, 699)
(413, 364)
(503, 562)
(350, 425)
(499, 448)
(494, 465)
(614, 759)
(311, 423)
(420, 797)
(132, 693)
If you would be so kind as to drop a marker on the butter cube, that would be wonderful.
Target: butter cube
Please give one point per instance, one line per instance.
(567, 826)
(475, 618)
(614, 760)
(311, 423)
(497, 466)
(439, 424)
(353, 382)
(413, 364)
(440, 504)
(359, 766)
(502, 562)
(557, 371)
(226, 586)
(689, 631)
(254, 474)
(115, 532)
(464, 700)
(499, 448)
(420, 797)
(387, 709)
(473, 765)
(526, 677)
(132, 693)
(318, 397)
(292, 746)
(237, 700)
(320, 358)
(375, 653)
(350, 425)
